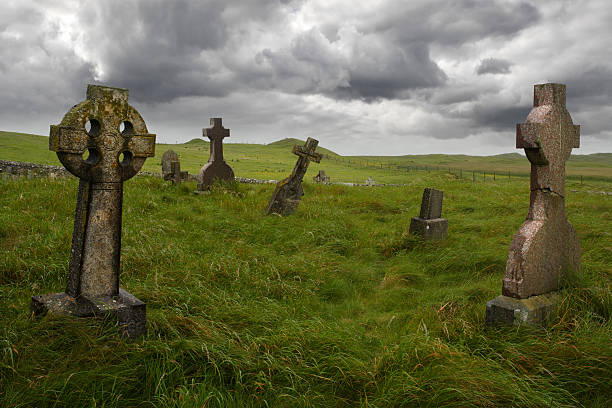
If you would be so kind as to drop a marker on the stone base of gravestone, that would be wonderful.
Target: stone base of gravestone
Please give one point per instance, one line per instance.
(434, 229)
(533, 311)
(125, 309)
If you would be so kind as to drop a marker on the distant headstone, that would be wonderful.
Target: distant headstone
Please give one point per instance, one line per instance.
(545, 249)
(289, 192)
(370, 182)
(216, 168)
(321, 177)
(171, 168)
(167, 158)
(113, 157)
(430, 224)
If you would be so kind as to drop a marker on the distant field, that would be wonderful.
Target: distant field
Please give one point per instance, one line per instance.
(275, 160)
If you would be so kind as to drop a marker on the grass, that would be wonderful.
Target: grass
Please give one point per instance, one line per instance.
(334, 306)
(274, 161)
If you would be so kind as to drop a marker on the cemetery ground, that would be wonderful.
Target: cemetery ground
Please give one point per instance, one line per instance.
(333, 306)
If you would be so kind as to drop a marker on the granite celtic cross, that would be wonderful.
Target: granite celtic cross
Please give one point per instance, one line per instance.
(103, 141)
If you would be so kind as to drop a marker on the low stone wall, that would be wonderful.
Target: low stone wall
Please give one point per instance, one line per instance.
(12, 169)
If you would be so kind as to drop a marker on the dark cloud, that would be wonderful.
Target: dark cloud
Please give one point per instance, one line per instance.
(493, 66)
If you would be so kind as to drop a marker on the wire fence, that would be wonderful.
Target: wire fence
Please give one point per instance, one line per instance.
(459, 172)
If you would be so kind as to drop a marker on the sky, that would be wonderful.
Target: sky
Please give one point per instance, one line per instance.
(375, 77)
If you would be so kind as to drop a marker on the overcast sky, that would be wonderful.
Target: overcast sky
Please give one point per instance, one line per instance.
(388, 77)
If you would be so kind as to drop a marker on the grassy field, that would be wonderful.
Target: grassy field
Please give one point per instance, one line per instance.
(275, 161)
(334, 306)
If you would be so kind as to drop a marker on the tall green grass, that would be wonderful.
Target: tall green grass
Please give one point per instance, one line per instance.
(334, 306)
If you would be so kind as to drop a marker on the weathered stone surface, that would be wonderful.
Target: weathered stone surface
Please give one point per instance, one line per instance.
(289, 192)
(216, 168)
(431, 204)
(533, 311)
(321, 177)
(545, 248)
(168, 158)
(434, 229)
(430, 224)
(113, 157)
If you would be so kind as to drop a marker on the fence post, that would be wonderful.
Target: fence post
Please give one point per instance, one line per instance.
(473, 177)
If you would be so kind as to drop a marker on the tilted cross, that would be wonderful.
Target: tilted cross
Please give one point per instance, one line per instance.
(114, 156)
(306, 154)
(216, 134)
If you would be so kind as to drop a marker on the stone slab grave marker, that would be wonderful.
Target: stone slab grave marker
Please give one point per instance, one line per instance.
(216, 168)
(89, 142)
(430, 224)
(289, 191)
(321, 177)
(171, 168)
(545, 249)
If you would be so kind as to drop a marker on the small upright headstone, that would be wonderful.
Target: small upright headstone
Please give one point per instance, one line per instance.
(113, 156)
(216, 168)
(370, 182)
(545, 249)
(321, 177)
(171, 168)
(168, 157)
(430, 224)
(289, 192)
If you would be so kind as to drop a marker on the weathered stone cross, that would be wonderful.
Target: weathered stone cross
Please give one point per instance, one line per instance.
(289, 192)
(216, 168)
(545, 249)
(113, 156)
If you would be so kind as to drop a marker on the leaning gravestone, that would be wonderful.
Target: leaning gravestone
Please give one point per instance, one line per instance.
(113, 157)
(430, 224)
(545, 249)
(289, 192)
(216, 168)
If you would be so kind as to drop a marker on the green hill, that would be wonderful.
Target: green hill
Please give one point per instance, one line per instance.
(275, 160)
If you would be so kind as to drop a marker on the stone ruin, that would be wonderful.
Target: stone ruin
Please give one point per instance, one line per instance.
(216, 168)
(430, 224)
(171, 168)
(321, 177)
(102, 156)
(289, 192)
(545, 250)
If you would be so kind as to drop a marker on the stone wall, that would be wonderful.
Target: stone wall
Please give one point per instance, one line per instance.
(12, 169)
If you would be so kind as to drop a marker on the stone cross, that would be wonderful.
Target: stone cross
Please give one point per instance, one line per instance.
(430, 224)
(91, 145)
(545, 249)
(289, 192)
(216, 168)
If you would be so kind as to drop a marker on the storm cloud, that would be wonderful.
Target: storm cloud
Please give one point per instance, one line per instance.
(385, 77)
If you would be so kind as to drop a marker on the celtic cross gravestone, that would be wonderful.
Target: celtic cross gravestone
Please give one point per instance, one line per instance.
(103, 141)
(545, 249)
(289, 192)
